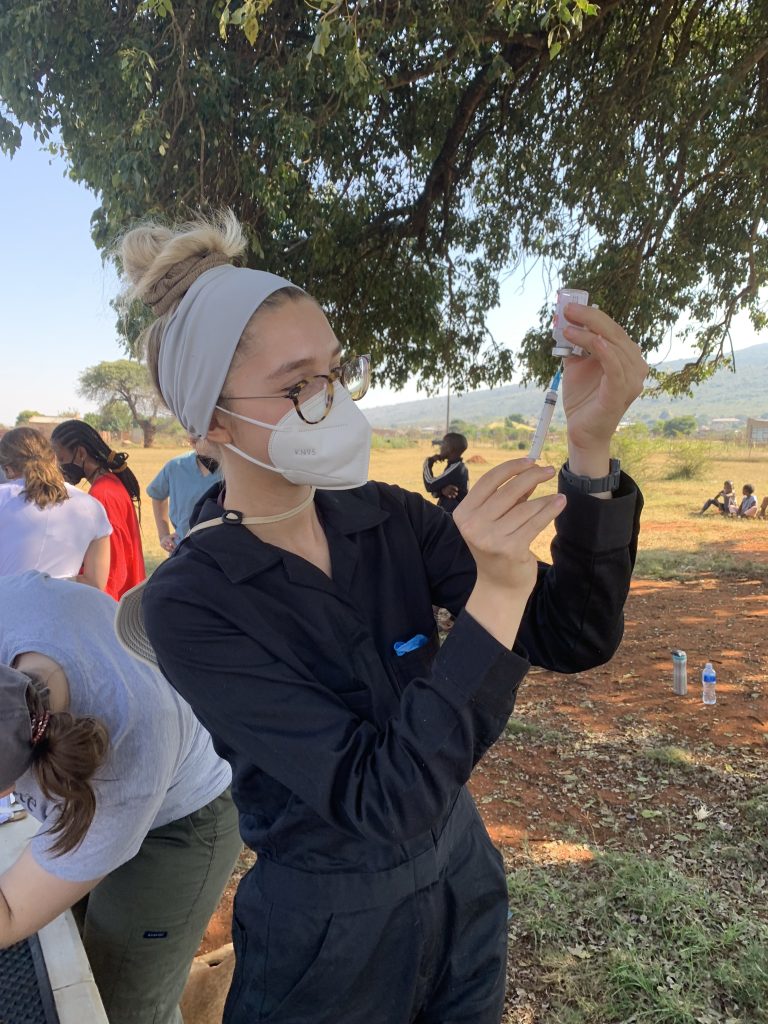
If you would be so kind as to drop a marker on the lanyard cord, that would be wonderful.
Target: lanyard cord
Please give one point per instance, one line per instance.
(233, 518)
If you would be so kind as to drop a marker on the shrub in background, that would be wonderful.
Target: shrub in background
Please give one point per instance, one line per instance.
(688, 460)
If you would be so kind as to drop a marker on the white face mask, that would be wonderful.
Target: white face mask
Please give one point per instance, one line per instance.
(333, 454)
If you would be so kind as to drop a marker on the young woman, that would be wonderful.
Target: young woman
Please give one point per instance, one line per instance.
(45, 523)
(298, 623)
(134, 802)
(84, 455)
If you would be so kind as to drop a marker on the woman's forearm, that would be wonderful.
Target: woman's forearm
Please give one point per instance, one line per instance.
(160, 510)
(31, 897)
(6, 923)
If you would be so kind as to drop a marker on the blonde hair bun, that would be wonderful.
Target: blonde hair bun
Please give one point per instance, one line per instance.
(160, 263)
(156, 258)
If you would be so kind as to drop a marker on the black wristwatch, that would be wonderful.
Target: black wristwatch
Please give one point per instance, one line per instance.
(594, 485)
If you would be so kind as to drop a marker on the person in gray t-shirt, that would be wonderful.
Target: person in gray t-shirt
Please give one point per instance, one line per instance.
(133, 800)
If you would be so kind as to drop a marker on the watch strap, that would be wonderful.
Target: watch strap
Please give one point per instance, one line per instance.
(594, 485)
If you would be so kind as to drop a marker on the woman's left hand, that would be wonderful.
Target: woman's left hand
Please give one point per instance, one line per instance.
(599, 388)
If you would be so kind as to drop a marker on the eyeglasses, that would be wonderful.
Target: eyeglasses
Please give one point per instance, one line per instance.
(313, 398)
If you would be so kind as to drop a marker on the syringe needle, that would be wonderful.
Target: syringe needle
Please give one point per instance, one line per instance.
(550, 401)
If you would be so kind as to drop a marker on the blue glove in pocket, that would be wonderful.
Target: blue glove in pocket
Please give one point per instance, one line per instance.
(404, 646)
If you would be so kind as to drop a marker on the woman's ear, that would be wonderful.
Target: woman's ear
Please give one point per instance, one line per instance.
(218, 432)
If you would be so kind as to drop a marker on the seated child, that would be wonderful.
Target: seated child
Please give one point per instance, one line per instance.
(748, 506)
(724, 506)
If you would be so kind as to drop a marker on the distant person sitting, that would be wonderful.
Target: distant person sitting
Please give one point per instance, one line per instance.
(748, 505)
(449, 487)
(763, 508)
(178, 487)
(724, 500)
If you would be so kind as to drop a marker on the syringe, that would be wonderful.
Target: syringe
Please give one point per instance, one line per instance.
(550, 401)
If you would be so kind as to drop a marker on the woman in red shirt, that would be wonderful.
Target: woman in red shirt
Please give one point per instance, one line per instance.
(83, 454)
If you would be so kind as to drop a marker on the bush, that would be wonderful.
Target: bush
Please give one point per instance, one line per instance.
(170, 433)
(689, 460)
(635, 450)
(398, 441)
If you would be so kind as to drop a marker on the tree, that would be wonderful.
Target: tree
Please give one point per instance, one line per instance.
(114, 416)
(124, 380)
(677, 425)
(396, 158)
(25, 416)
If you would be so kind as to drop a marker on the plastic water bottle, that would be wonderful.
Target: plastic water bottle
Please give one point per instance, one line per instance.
(708, 680)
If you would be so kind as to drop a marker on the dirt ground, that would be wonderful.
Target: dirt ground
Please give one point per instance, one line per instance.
(570, 772)
(629, 704)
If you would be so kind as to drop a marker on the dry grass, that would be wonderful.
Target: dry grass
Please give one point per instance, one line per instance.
(673, 541)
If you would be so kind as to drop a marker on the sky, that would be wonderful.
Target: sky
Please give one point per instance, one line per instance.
(55, 293)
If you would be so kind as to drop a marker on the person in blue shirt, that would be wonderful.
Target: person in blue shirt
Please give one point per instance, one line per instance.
(177, 488)
(296, 619)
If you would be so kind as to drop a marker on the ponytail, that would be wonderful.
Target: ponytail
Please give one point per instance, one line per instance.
(65, 758)
(79, 434)
(30, 454)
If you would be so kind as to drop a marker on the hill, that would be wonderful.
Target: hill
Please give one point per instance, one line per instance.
(741, 393)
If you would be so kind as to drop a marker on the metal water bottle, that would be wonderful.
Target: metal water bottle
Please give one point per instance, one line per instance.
(680, 673)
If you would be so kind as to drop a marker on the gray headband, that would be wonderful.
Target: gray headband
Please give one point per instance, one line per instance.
(15, 726)
(200, 339)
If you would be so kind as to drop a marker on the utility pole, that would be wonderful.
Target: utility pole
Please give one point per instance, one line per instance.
(448, 408)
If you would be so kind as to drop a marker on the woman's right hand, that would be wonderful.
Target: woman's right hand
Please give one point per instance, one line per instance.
(499, 524)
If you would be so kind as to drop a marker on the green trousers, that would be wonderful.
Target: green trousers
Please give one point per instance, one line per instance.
(144, 922)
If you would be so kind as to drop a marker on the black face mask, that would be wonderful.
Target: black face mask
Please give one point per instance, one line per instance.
(210, 464)
(73, 473)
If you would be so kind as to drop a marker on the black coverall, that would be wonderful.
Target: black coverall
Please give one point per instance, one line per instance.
(377, 897)
(456, 474)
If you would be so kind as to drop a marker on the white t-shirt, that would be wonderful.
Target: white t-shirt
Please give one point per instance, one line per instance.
(161, 764)
(52, 539)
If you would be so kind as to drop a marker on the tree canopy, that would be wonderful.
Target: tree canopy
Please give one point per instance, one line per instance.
(676, 425)
(22, 420)
(398, 157)
(123, 381)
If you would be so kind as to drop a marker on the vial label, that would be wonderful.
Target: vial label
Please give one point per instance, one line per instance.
(565, 296)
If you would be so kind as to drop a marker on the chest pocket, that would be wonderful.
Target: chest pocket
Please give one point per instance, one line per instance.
(413, 664)
(369, 692)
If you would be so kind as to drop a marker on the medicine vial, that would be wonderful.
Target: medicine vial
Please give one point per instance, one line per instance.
(565, 296)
